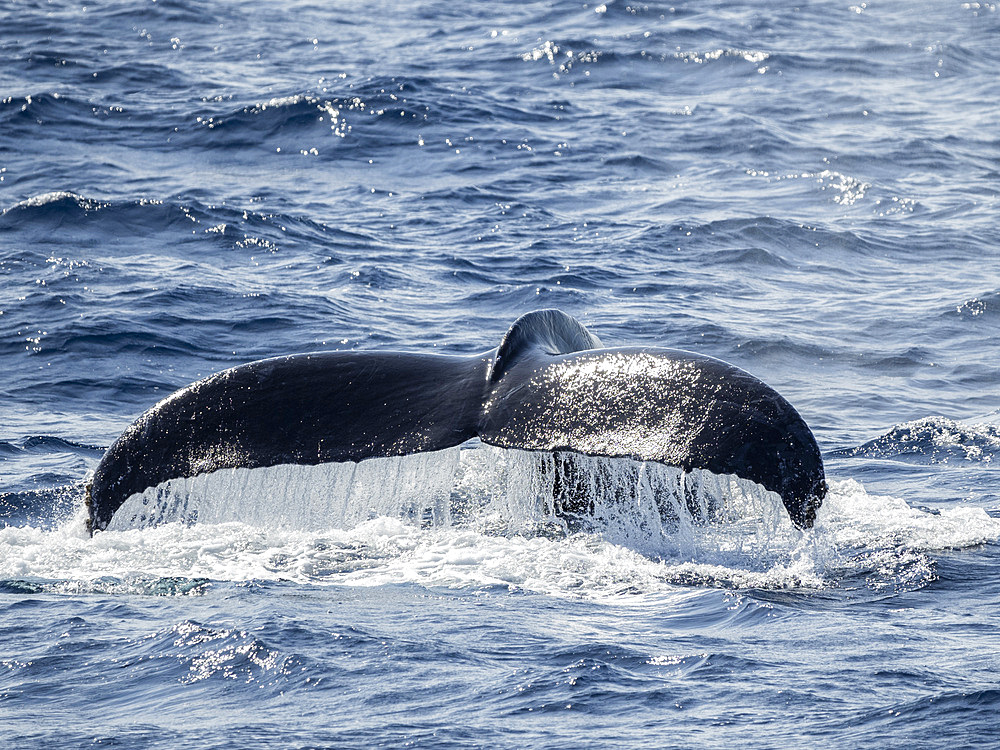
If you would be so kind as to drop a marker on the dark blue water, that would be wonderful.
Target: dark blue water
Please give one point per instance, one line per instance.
(807, 190)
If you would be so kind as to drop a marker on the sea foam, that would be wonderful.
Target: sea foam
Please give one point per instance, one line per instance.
(479, 517)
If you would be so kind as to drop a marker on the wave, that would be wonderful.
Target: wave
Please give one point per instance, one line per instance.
(62, 209)
(581, 55)
(89, 121)
(933, 440)
(936, 708)
(187, 218)
(827, 248)
(352, 118)
(48, 444)
(341, 118)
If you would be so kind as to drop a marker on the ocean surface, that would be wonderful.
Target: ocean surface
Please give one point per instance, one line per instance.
(809, 190)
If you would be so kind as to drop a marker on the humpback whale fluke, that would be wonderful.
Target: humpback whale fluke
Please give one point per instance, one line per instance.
(548, 386)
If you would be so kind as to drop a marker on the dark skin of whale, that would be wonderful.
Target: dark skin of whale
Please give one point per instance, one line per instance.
(548, 386)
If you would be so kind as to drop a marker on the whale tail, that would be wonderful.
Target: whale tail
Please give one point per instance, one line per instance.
(548, 386)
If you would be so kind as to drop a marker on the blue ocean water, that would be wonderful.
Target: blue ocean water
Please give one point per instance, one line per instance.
(808, 190)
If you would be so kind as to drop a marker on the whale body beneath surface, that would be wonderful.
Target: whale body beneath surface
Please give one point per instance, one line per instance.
(549, 386)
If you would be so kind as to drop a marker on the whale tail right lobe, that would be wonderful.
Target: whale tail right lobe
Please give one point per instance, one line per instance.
(651, 404)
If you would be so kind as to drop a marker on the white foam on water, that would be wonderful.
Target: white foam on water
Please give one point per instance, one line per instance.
(482, 517)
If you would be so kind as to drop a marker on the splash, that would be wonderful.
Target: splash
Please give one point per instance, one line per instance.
(481, 518)
(657, 509)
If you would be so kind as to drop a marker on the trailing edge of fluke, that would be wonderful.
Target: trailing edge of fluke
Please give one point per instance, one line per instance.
(548, 386)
